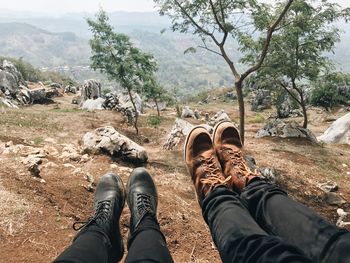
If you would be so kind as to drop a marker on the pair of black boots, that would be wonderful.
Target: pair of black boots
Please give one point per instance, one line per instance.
(109, 202)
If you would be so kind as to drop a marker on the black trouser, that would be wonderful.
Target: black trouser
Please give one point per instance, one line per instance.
(146, 244)
(274, 228)
(298, 225)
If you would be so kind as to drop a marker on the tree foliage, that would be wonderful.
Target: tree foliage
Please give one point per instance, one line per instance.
(298, 49)
(219, 23)
(114, 55)
(330, 90)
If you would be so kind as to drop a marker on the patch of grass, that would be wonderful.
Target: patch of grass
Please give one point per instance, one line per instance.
(67, 110)
(24, 119)
(38, 140)
(257, 118)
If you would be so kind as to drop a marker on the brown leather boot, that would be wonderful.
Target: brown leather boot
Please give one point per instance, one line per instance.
(203, 163)
(228, 146)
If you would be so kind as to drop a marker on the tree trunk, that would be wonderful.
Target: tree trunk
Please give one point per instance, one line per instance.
(136, 114)
(304, 111)
(301, 102)
(239, 91)
(156, 102)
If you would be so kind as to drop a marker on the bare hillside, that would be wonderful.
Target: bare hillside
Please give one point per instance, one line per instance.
(36, 215)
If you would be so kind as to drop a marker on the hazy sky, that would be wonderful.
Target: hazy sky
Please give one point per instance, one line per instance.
(64, 6)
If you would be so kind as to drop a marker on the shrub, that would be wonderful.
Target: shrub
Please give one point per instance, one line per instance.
(153, 120)
(326, 92)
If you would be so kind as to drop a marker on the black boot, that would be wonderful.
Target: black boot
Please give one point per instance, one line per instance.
(142, 197)
(109, 203)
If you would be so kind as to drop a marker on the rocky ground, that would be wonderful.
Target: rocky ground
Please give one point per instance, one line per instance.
(37, 213)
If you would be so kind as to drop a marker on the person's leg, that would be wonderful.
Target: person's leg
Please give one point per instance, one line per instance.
(273, 210)
(100, 239)
(278, 214)
(146, 241)
(235, 233)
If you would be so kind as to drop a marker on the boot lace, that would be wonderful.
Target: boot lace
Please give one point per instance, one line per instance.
(143, 204)
(214, 175)
(238, 163)
(103, 209)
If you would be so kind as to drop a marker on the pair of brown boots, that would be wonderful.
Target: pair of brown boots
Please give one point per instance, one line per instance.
(218, 161)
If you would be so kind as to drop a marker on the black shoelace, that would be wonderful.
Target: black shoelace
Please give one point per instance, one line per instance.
(103, 209)
(144, 204)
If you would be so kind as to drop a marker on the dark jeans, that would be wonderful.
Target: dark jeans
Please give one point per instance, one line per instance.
(274, 228)
(146, 244)
(298, 225)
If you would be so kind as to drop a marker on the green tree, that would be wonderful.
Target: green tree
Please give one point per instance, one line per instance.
(219, 23)
(153, 90)
(330, 90)
(114, 54)
(298, 49)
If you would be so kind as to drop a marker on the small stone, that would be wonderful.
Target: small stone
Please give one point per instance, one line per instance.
(9, 144)
(68, 165)
(84, 158)
(77, 171)
(113, 166)
(344, 165)
(328, 187)
(334, 199)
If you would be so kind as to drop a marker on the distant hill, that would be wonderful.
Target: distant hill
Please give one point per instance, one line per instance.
(42, 48)
(56, 51)
(40, 41)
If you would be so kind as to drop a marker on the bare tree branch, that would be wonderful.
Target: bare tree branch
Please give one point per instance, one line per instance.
(201, 29)
(216, 16)
(267, 41)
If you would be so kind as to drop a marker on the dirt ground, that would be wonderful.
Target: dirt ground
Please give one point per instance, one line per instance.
(36, 216)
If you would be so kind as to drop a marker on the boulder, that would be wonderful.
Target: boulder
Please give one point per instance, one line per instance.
(93, 104)
(108, 140)
(338, 132)
(40, 96)
(71, 89)
(278, 128)
(152, 105)
(179, 131)
(187, 113)
(218, 117)
(261, 100)
(231, 95)
(111, 101)
(10, 79)
(55, 86)
(90, 90)
(284, 106)
(125, 102)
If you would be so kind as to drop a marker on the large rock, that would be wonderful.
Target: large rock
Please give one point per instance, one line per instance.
(218, 117)
(93, 104)
(40, 96)
(261, 100)
(90, 90)
(10, 79)
(125, 102)
(278, 128)
(108, 140)
(179, 131)
(187, 113)
(338, 132)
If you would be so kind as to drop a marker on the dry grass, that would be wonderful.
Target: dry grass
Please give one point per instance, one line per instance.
(13, 211)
